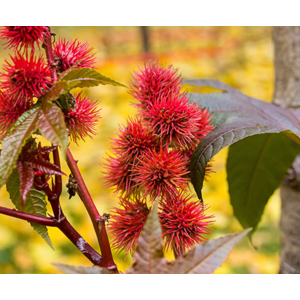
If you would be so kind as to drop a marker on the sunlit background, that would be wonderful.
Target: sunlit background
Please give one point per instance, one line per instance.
(239, 56)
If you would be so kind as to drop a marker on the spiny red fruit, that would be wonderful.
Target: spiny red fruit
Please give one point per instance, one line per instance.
(134, 140)
(152, 82)
(82, 120)
(23, 36)
(9, 113)
(183, 223)
(127, 223)
(67, 53)
(26, 77)
(160, 174)
(177, 121)
(119, 174)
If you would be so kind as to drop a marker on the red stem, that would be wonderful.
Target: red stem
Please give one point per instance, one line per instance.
(28, 217)
(98, 222)
(58, 182)
(47, 45)
(63, 224)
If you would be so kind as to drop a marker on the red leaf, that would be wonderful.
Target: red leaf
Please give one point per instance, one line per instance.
(26, 179)
(29, 162)
(46, 167)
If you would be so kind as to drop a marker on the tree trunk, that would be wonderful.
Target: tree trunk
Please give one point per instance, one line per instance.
(287, 94)
(145, 38)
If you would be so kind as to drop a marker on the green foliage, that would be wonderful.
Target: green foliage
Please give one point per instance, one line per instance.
(14, 140)
(84, 77)
(35, 203)
(52, 126)
(255, 168)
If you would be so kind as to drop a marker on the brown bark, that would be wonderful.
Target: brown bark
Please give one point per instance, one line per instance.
(145, 38)
(287, 91)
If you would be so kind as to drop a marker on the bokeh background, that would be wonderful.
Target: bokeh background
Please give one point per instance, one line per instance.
(239, 56)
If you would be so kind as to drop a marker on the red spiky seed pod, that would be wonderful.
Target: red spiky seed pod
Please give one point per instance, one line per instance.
(9, 112)
(161, 174)
(67, 53)
(134, 140)
(82, 120)
(26, 77)
(152, 82)
(183, 223)
(177, 121)
(23, 36)
(119, 174)
(127, 222)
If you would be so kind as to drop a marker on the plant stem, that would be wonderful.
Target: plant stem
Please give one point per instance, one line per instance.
(64, 225)
(47, 45)
(98, 222)
(28, 217)
(58, 182)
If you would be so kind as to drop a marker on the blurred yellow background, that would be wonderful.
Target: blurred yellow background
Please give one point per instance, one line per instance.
(239, 56)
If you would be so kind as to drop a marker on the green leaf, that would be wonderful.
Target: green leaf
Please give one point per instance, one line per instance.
(236, 116)
(52, 126)
(83, 77)
(68, 269)
(149, 257)
(255, 168)
(35, 203)
(207, 257)
(14, 140)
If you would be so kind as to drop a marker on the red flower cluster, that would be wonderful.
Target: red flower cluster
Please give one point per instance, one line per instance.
(161, 173)
(68, 53)
(178, 122)
(23, 36)
(28, 77)
(128, 223)
(82, 120)
(183, 223)
(151, 159)
(152, 82)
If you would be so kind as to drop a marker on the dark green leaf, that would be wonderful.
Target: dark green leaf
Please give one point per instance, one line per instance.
(14, 140)
(255, 168)
(236, 116)
(67, 269)
(51, 124)
(83, 77)
(35, 203)
(207, 257)
(149, 257)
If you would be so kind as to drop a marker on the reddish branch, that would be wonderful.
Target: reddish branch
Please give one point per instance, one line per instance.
(47, 45)
(63, 224)
(28, 217)
(98, 222)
